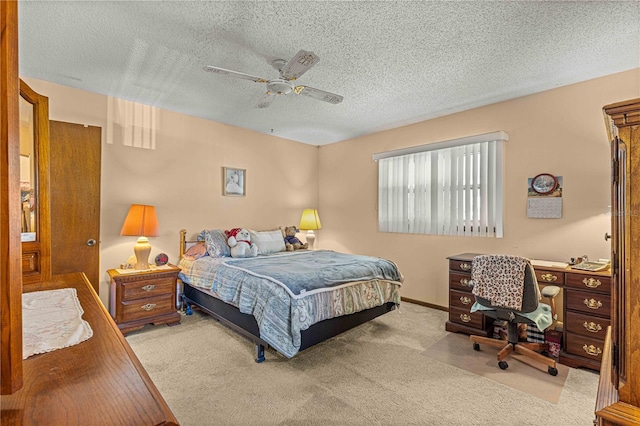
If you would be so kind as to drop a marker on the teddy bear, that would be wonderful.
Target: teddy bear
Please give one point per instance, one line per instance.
(239, 240)
(291, 242)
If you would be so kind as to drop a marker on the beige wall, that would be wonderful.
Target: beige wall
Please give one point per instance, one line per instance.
(559, 131)
(182, 175)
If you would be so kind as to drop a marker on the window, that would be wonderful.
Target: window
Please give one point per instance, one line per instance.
(445, 188)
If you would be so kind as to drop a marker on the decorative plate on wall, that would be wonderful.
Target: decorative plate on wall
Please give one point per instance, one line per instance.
(544, 183)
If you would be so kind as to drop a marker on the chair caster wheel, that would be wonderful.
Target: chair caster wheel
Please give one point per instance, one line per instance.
(476, 346)
(553, 371)
(503, 365)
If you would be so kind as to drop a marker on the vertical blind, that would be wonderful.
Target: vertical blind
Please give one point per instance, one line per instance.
(448, 188)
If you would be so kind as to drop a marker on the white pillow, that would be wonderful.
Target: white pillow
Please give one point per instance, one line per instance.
(268, 241)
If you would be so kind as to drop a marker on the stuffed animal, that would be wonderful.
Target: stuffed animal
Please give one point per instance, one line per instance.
(239, 240)
(291, 242)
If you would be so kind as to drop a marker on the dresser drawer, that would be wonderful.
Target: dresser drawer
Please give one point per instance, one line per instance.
(589, 282)
(588, 302)
(462, 316)
(583, 346)
(586, 325)
(148, 307)
(461, 299)
(460, 265)
(459, 281)
(148, 288)
(549, 277)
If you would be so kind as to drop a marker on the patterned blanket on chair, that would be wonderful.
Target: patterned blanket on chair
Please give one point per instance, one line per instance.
(499, 279)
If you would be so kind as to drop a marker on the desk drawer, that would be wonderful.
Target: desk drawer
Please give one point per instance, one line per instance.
(549, 277)
(461, 299)
(585, 347)
(586, 325)
(460, 265)
(148, 307)
(588, 302)
(459, 281)
(589, 282)
(148, 288)
(462, 316)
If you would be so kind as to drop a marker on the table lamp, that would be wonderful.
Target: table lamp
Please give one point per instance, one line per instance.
(141, 222)
(310, 221)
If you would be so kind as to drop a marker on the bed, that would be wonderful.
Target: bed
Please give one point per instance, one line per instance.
(287, 300)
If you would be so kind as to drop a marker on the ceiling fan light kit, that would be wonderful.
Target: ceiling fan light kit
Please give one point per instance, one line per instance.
(289, 72)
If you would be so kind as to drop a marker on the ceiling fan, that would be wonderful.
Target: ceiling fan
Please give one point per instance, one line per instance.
(289, 72)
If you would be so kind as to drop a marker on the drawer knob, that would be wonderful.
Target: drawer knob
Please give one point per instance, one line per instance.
(465, 300)
(592, 327)
(464, 282)
(149, 287)
(148, 306)
(592, 303)
(591, 282)
(550, 278)
(465, 317)
(592, 350)
(465, 266)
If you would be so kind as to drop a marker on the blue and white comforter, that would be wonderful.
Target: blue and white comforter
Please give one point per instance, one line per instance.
(288, 292)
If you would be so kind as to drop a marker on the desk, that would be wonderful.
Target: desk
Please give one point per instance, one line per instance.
(585, 308)
(97, 382)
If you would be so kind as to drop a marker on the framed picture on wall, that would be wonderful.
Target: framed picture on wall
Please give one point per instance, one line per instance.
(234, 182)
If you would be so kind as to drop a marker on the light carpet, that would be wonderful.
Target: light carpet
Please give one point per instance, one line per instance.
(375, 374)
(522, 374)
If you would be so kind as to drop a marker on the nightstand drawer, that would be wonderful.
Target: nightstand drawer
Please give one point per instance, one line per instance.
(148, 307)
(148, 288)
(589, 303)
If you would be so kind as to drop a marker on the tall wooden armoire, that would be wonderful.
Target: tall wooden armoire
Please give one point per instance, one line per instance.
(619, 389)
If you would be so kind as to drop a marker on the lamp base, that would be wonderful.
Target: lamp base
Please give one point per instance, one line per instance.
(142, 250)
(311, 239)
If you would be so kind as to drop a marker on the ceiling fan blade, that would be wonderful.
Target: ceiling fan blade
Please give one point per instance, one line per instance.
(222, 71)
(300, 64)
(332, 98)
(266, 100)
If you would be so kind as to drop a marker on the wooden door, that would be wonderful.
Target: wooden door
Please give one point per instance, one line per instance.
(75, 200)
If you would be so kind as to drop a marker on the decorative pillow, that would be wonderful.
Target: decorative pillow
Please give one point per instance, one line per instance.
(216, 242)
(196, 251)
(268, 241)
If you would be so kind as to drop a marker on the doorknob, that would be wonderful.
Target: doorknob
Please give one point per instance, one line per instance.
(91, 242)
(607, 236)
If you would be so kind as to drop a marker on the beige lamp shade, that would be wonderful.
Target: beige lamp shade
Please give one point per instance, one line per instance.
(142, 222)
(310, 221)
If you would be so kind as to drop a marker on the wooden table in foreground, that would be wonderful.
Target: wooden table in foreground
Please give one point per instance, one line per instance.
(97, 382)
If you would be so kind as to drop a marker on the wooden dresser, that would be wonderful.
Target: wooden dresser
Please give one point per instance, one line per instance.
(97, 382)
(618, 401)
(586, 309)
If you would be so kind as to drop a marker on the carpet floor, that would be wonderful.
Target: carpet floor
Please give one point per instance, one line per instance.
(376, 374)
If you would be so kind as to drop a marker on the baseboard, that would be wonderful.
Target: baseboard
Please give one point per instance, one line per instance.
(428, 305)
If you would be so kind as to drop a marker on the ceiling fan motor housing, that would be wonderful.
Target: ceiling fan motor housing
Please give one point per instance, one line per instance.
(280, 86)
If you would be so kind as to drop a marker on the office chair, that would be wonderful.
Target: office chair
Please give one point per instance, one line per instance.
(505, 288)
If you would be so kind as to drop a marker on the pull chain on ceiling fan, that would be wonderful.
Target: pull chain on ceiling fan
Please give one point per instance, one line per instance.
(289, 72)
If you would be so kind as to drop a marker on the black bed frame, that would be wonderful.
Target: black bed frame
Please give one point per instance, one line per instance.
(247, 326)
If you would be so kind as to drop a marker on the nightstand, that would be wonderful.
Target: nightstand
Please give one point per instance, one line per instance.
(143, 297)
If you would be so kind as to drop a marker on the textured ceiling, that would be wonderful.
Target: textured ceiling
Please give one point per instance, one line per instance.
(395, 63)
